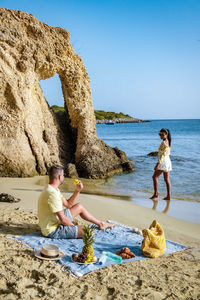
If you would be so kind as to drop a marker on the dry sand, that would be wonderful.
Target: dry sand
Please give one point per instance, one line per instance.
(22, 276)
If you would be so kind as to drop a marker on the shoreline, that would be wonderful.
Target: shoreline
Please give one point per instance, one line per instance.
(20, 187)
(126, 212)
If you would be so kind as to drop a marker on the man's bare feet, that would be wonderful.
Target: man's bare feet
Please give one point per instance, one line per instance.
(154, 196)
(105, 225)
(167, 198)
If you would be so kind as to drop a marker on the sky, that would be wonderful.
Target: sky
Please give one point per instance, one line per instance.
(142, 56)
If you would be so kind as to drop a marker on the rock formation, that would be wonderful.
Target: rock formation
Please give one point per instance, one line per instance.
(155, 153)
(8, 198)
(32, 137)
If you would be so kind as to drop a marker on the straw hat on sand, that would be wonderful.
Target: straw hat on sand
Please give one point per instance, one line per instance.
(49, 252)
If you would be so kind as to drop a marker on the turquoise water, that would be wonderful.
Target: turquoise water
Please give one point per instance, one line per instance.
(139, 139)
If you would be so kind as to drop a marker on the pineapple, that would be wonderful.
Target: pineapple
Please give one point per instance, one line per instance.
(88, 239)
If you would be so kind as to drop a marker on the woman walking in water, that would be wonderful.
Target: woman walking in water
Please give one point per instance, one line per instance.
(164, 163)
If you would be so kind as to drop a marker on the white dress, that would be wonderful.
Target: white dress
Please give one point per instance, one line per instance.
(164, 157)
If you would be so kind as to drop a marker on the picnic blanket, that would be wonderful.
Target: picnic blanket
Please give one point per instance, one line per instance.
(109, 240)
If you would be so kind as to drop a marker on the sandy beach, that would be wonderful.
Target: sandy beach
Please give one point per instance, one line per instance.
(142, 64)
(174, 276)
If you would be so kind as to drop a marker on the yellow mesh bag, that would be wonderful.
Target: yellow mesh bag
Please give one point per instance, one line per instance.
(153, 244)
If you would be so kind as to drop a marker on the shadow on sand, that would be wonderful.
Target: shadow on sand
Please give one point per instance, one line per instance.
(33, 190)
(18, 229)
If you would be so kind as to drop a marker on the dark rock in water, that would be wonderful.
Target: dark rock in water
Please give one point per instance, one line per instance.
(153, 153)
(8, 198)
(108, 165)
(121, 154)
(127, 166)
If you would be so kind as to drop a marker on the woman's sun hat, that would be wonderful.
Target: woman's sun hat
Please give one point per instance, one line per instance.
(49, 252)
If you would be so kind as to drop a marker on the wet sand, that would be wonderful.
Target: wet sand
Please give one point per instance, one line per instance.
(174, 276)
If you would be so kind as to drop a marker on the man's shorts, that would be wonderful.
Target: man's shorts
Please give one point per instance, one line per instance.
(63, 231)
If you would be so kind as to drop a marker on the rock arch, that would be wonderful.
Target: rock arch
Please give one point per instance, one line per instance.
(32, 136)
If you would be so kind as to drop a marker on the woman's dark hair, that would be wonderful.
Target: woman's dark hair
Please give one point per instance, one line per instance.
(167, 132)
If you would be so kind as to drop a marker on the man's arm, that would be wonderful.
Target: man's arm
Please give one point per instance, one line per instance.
(70, 202)
(63, 219)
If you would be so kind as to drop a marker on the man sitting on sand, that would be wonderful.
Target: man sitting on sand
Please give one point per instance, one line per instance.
(55, 222)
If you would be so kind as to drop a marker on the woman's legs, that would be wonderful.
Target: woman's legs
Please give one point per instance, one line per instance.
(155, 177)
(167, 181)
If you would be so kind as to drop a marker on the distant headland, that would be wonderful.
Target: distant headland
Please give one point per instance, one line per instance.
(102, 116)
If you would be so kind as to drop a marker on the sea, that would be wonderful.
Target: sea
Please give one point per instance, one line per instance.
(137, 140)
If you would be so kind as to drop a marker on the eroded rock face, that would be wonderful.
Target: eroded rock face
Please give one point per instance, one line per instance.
(32, 136)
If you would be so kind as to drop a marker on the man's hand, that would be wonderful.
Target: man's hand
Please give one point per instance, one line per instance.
(71, 201)
(79, 186)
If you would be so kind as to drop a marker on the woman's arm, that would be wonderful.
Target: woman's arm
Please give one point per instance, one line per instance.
(157, 166)
(162, 152)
